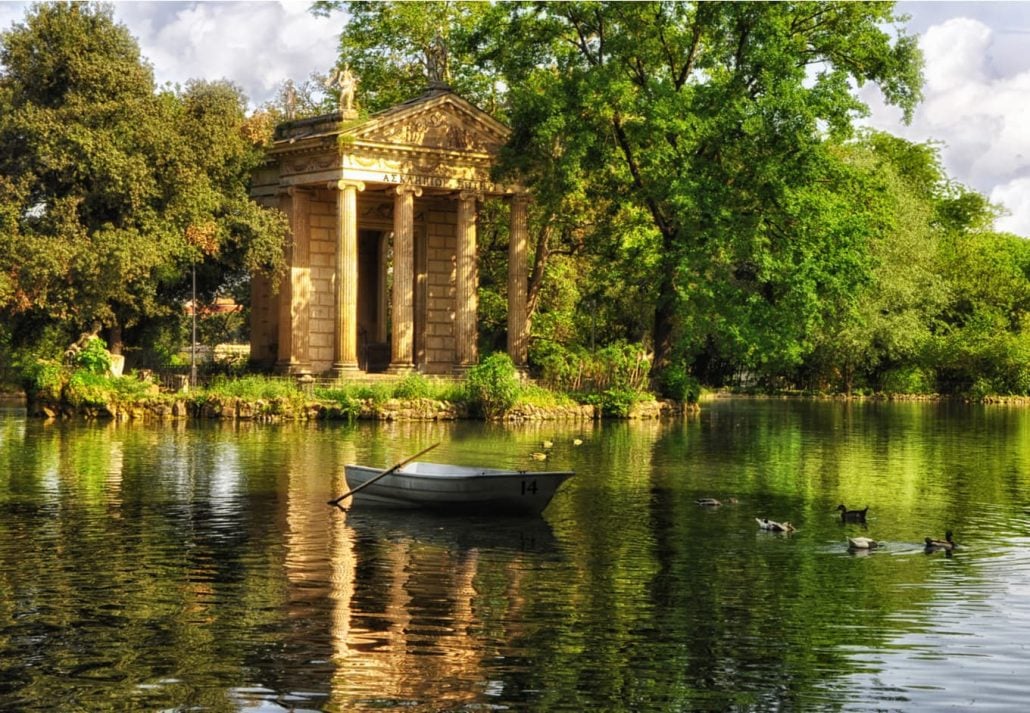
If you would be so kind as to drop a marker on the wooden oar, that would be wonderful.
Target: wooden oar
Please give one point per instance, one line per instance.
(336, 501)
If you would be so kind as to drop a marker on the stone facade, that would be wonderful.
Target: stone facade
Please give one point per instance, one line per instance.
(382, 259)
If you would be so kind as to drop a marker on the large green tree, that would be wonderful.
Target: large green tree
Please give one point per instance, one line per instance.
(713, 119)
(685, 145)
(111, 189)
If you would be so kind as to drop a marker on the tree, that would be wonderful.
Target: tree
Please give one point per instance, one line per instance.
(112, 191)
(712, 118)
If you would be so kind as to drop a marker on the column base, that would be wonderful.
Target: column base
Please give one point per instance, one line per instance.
(400, 369)
(291, 368)
(340, 369)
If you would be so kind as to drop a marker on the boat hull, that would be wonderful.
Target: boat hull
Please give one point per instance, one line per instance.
(435, 486)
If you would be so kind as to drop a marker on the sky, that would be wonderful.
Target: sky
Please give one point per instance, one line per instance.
(976, 105)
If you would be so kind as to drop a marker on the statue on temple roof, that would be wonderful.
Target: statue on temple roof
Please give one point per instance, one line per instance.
(436, 63)
(345, 80)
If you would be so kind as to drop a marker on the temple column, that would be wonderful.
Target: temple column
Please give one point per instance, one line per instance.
(518, 318)
(345, 287)
(295, 292)
(402, 347)
(466, 302)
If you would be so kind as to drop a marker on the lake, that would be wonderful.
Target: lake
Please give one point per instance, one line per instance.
(197, 567)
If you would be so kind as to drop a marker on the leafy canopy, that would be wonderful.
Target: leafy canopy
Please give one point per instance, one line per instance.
(111, 189)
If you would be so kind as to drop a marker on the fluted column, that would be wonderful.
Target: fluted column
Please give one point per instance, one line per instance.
(295, 291)
(345, 292)
(518, 319)
(403, 336)
(466, 301)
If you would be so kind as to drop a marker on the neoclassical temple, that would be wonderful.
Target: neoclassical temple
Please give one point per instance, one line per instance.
(382, 258)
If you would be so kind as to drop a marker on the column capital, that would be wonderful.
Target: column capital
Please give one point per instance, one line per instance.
(521, 198)
(406, 188)
(344, 183)
(467, 195)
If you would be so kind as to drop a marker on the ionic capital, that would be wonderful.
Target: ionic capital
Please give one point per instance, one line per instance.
(522, 199)
(468, 195)
(344, 183)
(406, 188)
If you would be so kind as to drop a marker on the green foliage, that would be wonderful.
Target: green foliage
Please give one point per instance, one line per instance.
(703, 117)
(388, 45)
(45, 379)
(493, 385)
(94, 357)
(616, 402)
(96, 389)
(413, 386)
(111, 189)
(540, 397)
(908, 380)
(619, 365)
(253, 388)
(677, 383)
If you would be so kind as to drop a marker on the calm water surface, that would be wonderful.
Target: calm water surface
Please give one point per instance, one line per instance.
(198, 567)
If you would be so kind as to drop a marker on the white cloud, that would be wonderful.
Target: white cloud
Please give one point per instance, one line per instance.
(256, 45)
(1014, 195)
(980, 116)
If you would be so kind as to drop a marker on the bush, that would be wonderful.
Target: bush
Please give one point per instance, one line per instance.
(94, 357)
(493, 385)
(677, 383)
(616, 403)
(44, 378)
(908, 380)
(413, 386)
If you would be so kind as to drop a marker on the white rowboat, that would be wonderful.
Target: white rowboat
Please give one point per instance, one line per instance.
(437, 486)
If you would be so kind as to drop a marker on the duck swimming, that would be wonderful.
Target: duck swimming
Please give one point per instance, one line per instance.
(852, 515)
(862, 543)
(773, 526)
(713, 503)
(947, 544)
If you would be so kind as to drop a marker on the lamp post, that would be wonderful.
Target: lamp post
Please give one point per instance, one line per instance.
(193, 337)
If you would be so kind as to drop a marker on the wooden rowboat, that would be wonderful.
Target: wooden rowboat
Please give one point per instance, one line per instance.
(438, 486)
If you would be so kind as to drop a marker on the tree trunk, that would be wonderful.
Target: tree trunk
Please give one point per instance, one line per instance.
(114, 340)
(664, 318)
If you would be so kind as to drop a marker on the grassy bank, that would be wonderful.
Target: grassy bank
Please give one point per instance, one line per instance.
(492, 390)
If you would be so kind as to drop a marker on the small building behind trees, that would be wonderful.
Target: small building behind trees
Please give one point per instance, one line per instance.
(382, 260)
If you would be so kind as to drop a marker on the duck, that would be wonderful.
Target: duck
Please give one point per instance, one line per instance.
(538, 456)
(947, 544)
(714, 503)
(577, 441)
(773, 526)
(852, 515)
(548, 444)
(862, 543)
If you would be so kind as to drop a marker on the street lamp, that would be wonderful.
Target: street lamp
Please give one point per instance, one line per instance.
(193, 338)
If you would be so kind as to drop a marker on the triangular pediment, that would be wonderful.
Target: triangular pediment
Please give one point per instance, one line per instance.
(442, 121)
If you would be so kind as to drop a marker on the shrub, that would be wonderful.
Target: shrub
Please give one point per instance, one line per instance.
(677, 383)
(94, 357)
(45, 378)
(493, 385)
(413, 386)
(616, 403)
(908, 380)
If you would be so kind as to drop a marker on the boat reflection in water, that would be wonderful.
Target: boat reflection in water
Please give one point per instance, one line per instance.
(424, 601)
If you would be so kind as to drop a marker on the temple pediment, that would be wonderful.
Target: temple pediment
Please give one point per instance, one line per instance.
(437, 141)
(444, 121)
